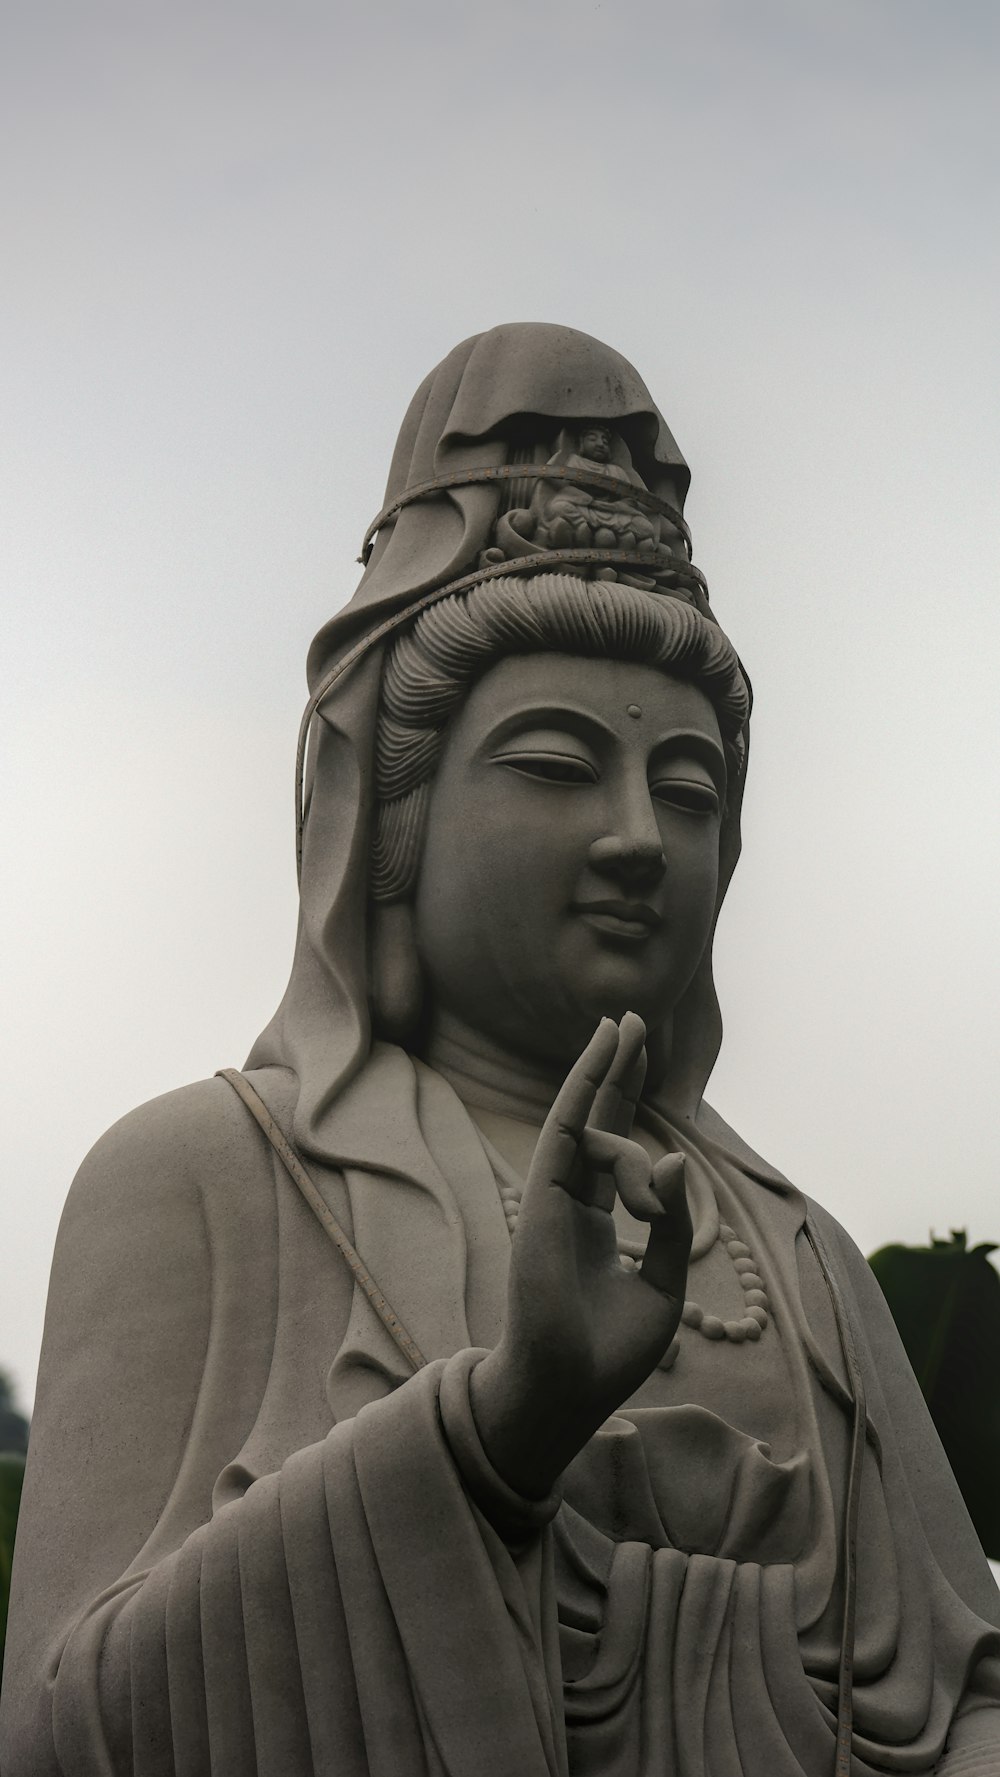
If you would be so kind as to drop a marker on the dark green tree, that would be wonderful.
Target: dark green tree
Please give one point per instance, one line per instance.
(13, 1425)
(945, 1301)
(11, 1476)
(13, 1444)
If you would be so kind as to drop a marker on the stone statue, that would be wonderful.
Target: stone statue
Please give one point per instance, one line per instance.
(452, 1392)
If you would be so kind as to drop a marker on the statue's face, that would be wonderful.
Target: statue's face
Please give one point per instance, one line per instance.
(571, 854)
(595, 443)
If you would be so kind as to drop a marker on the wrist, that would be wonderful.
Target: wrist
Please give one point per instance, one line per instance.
(524, 1438)
(516, 1516)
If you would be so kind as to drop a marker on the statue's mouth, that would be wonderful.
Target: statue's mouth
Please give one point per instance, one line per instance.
(620, 919)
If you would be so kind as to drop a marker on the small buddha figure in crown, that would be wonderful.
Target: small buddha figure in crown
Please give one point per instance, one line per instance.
(570, 516)
(578, 510)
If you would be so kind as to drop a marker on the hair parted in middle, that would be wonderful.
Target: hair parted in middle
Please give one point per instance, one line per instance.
(432, 666)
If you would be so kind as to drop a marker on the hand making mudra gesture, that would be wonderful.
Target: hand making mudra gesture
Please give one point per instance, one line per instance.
(583, 1330)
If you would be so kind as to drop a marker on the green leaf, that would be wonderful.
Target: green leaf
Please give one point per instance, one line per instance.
(945, 1300)
(11, 1477)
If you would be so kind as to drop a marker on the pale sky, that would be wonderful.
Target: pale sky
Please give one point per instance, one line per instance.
(236, 238)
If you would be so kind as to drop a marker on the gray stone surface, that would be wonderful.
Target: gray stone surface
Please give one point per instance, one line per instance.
(564, 1488)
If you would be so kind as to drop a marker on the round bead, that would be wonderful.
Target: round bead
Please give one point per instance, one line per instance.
(750, 1326)
(669, 1357)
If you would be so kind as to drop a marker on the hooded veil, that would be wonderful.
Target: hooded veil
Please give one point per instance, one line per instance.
(524, 380)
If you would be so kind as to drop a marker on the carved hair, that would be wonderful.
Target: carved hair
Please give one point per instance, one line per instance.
(432, 666)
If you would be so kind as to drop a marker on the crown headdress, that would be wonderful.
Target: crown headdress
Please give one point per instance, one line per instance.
(590, 514)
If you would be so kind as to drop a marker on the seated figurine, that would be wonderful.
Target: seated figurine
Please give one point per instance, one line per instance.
(587, 520)
(452, 1392)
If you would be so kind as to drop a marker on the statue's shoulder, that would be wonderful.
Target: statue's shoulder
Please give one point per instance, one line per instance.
(847, 1258)
(190, 1144)
(837, 1242)
(710, 1123)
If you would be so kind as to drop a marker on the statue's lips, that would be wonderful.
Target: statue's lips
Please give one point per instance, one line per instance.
(620, 919)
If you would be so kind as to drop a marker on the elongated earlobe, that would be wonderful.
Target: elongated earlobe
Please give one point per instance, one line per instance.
(397, 987)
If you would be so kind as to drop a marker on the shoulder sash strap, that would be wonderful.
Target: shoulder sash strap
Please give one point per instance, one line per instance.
(324, 1214)
(852, 1505)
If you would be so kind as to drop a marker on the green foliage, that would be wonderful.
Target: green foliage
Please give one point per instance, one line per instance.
(11, 1476)
(13, 1444)
(945, 1300)
(13, 1425)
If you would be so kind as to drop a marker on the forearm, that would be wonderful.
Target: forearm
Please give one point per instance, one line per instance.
(240, 1650)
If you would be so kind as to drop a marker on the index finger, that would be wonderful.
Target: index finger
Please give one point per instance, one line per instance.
(573, 1103)
(614, 1106)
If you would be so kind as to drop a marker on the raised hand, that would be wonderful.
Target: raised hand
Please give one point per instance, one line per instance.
(582, 1330)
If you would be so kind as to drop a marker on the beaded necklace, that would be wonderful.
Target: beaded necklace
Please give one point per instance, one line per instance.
(749, 1325)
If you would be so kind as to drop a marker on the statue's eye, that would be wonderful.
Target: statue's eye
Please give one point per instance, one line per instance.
(551, 768)
(681, 793)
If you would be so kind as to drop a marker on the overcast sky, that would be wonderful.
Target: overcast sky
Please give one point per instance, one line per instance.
(236, 238)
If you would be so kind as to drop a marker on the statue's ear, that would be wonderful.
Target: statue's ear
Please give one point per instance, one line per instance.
(396, 986)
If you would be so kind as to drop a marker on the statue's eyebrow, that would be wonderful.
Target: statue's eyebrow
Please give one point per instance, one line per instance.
(579, 722)
(690, 742)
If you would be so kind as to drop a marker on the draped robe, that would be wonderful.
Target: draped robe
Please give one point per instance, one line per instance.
(253, 1542)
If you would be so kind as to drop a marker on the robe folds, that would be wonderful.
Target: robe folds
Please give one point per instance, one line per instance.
(252, 1542)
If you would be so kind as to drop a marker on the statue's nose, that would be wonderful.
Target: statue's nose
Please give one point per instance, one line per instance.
(631, 858)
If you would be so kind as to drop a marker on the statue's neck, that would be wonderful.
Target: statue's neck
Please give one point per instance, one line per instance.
(491, 1078)
(486, 1075)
